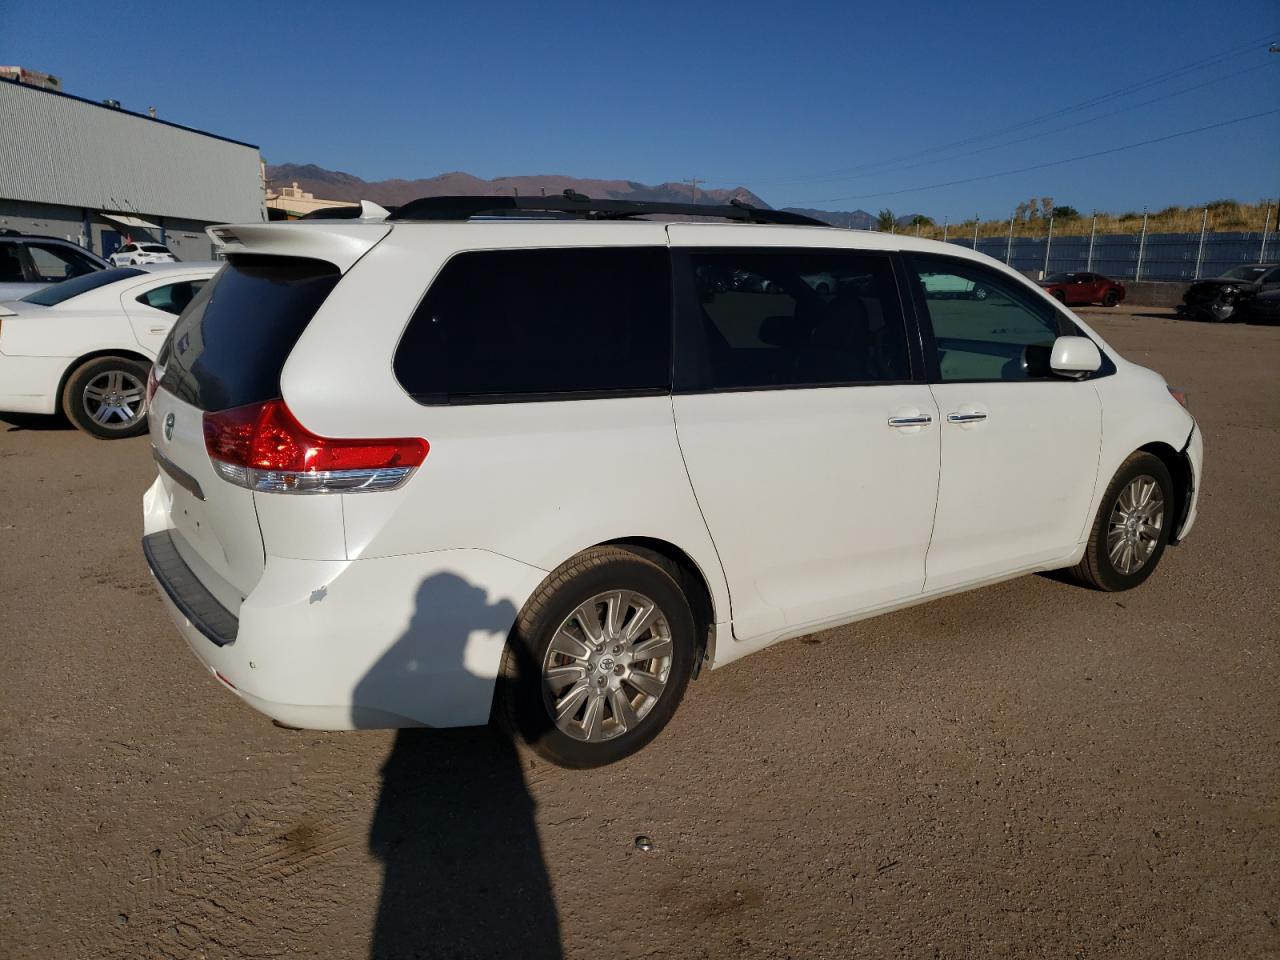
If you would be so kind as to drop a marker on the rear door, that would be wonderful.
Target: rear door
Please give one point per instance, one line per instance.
(1019, 444)
(227, 351)
(813, 454)
(153, 306)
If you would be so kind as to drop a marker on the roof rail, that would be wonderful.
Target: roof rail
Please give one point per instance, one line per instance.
(576, 205)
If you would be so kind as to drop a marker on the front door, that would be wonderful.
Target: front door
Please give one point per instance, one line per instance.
(1019, 444)
(813, 455)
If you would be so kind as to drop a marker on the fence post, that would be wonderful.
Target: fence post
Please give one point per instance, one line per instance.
(1093, 233)
(944, 229)
(975, 231)
(1008, 250)
(1142, 246)
(1266, 226)
(1048, 243)
(1204, 223)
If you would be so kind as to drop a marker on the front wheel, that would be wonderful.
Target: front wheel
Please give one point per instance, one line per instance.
(1132, 528)
(599, 659)
(1110, 298)
(107, 398)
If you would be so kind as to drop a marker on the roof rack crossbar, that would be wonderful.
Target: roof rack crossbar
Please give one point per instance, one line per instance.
(577, 206)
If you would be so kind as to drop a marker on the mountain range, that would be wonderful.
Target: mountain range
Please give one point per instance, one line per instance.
(335, 185)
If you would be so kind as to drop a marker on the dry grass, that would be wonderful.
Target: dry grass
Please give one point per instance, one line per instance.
(1224, 215)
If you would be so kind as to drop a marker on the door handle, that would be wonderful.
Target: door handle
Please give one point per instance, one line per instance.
(923, 420)
(965, 417)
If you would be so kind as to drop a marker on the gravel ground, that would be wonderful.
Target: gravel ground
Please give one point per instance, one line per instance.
(1030, 770)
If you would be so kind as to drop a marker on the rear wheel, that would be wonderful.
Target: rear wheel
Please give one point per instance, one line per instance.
(1110, 298)
(1059, 296)
(107, 398)
(599, 659)
(1132, 527)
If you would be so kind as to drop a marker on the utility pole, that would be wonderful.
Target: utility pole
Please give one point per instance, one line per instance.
(1048, 244)
(1204, 224)
(1266, 228)
(1008, 249)
(975, 231)
(944, 228)
(1093, 235)
(693, 183)
(1142, 246)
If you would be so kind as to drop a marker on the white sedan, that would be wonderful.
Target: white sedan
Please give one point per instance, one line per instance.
(137, 254)
(85, 345)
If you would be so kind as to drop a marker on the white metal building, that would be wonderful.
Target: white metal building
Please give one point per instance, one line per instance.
(98, 175)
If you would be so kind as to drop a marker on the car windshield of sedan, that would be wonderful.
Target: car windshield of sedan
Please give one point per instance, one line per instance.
(1244, 273)
(58, 293)
(1059, 278)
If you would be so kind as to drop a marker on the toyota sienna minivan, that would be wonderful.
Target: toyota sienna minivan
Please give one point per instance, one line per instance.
(536, 460)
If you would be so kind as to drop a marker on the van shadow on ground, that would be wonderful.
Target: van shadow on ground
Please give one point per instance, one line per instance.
(454, 827)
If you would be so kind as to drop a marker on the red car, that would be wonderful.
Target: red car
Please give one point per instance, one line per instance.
(1074, 288)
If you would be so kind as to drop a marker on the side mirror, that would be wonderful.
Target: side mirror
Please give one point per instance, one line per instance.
(1075, 355)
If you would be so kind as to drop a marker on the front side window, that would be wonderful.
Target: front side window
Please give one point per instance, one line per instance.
(54, 262)
(172, 297)
(541, 324)
(762, 319)
(985, 326)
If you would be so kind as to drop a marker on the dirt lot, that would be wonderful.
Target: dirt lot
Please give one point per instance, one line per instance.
(1030, 770)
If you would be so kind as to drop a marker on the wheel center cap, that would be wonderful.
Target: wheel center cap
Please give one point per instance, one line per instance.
(605, 665)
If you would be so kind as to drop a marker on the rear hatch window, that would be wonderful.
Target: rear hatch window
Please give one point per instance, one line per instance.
(231, 343)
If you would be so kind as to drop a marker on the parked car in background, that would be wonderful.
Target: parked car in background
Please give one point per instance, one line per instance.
(84, 346)
(29, 262)
(1081, 288)
(1220, 298)
(133, 254)
(552, 500)
(1264, 308)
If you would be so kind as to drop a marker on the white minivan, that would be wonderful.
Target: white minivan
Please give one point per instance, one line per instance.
(448, 465)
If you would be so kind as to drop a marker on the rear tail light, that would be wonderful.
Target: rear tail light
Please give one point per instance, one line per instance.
(153, 383)
(263, 447)
(1178, 394)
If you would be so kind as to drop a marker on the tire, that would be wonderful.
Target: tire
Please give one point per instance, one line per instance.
(596, 729)
(107, 398)
(1060, 297)
(1110, 298)
(1097, 568)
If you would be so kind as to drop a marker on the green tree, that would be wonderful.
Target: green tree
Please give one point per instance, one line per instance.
(885, 219)
(920, 220)
(1066, 213)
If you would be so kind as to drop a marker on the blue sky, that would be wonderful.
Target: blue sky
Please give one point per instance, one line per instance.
(832, 105)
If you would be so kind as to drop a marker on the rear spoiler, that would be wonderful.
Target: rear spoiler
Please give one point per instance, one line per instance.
(339, 242)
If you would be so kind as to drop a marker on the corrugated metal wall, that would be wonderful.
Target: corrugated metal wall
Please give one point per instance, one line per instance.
(56, 149)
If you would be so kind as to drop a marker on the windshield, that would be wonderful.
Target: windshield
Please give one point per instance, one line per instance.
(1058, 277)
(1244, 273)
(58, 293)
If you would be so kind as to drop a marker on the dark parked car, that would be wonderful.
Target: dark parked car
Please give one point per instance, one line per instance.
(1076, 288)
(1264, 308)
(1221, 298)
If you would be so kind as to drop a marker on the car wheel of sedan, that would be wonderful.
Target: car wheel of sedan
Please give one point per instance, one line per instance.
(1060, 296)
(107, 398)
(599, 659)
(1110, 298)
(1132, 528)
(979, 293)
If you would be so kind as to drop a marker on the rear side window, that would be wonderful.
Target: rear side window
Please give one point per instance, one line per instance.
(231, 342)
(541, 324)
(61, 292)
(172, 297)
(762, 319)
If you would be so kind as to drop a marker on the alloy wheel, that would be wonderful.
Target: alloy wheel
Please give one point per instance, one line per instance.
(1133, 531)
(115, 399)
(607, 665)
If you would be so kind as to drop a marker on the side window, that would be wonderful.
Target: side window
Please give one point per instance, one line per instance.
(54, 262)
(505, 324)
(789, 318)
(173, 297)
(127, 248)
(11, 264)
(985, 326)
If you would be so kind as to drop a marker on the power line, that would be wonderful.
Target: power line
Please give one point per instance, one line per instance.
(1001, 131)
(1051, 163)
(1050, 132)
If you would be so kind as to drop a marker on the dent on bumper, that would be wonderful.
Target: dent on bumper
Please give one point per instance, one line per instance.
(389, 642)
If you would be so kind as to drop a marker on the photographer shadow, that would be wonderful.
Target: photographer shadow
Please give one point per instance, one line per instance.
(463, 873)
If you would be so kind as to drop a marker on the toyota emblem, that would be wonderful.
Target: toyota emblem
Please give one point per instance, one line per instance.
(168, 426)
